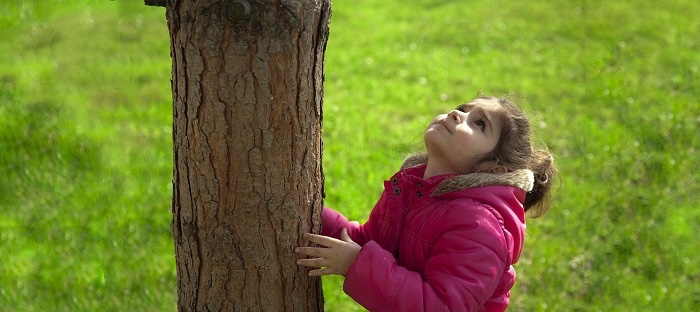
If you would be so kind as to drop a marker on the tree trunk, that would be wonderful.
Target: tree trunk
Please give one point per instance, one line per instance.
(247, 99)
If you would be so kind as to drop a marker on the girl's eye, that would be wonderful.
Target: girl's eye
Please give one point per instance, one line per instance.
(481, 124)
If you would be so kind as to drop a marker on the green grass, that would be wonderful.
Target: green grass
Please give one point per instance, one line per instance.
(612, 88)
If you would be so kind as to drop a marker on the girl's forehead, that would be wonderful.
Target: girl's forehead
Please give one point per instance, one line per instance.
(483, 104)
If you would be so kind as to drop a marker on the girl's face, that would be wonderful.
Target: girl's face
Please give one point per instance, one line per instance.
(456, 140)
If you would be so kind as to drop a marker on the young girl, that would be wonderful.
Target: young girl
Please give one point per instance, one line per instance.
(450, 224)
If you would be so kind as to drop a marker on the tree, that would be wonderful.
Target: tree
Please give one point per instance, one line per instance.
(247, 82)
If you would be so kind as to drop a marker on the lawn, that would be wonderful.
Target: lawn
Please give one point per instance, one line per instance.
(612, 88)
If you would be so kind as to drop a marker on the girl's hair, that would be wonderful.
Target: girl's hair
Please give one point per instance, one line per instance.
(515, 151)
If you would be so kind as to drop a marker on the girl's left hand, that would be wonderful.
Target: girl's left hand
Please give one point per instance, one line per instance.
(334, 258)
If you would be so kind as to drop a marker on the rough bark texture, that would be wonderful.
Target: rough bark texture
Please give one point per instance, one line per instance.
(247, 99)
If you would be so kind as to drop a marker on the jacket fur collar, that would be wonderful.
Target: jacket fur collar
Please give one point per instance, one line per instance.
(522, 178)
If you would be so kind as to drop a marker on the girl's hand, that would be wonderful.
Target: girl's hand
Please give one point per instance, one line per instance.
(334, 258)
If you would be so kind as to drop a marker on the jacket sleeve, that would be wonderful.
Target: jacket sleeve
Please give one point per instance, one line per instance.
(462, 271)
(333, 223)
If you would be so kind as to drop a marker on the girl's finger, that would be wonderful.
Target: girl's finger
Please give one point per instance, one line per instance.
(321, 272)
(345, 237)
(312, 251)
(315, 262)
(321, 240)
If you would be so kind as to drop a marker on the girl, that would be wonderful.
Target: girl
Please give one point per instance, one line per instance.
(450, 224)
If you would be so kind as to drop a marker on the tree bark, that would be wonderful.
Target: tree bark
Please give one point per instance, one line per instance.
(247, 99)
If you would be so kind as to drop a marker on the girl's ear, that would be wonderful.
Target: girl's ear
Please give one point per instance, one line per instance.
(491, 167)
(499, 169)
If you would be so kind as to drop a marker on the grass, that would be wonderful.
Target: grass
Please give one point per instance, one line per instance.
(612, 88)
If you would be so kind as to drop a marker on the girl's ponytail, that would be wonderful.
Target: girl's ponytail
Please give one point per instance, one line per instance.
(538, 200)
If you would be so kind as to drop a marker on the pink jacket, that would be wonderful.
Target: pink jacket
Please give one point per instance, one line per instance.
(442, 244)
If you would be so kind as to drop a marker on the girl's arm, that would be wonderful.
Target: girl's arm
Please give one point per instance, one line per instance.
(462, 272)
(334, 222)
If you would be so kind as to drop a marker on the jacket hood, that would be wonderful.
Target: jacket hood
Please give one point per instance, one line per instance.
(523, 179)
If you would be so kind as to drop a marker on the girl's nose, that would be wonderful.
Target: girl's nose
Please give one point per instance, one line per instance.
(455, 116)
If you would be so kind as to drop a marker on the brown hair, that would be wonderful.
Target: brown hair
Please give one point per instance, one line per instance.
(515, 151)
